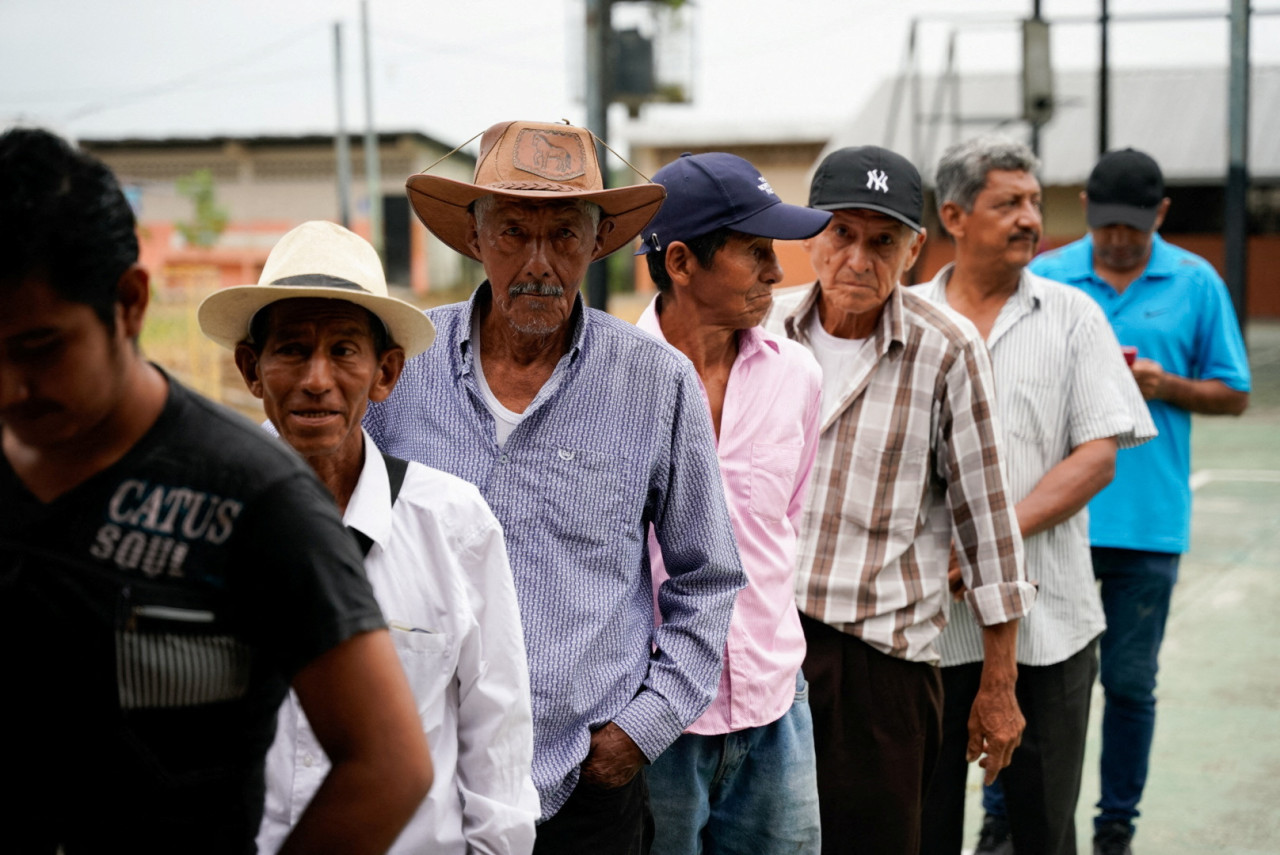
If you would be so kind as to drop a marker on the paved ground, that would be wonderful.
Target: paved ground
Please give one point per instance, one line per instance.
(1215, 766)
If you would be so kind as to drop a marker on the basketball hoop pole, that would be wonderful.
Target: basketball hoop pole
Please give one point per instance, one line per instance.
(597, 97)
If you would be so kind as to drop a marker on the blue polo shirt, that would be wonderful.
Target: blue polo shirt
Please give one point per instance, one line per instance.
(1179, 314)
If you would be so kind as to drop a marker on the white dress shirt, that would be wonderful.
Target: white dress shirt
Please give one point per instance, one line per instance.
(1061, 381)
(438, 567)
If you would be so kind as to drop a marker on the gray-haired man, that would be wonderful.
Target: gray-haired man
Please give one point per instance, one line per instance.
(1066, 402)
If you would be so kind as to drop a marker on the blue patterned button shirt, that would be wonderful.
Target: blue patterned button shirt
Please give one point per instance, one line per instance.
(617, 440)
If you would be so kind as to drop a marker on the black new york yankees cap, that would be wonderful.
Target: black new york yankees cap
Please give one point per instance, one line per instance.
(870, 177)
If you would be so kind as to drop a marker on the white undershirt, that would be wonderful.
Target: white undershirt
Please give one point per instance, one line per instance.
(504, 420)
(838, 357)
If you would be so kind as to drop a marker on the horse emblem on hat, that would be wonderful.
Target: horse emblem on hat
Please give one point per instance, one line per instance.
(550, 154)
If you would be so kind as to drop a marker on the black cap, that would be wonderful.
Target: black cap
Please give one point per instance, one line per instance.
(1126, 187)
(872, 178)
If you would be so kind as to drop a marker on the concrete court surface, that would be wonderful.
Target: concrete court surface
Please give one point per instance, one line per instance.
(1214, 785)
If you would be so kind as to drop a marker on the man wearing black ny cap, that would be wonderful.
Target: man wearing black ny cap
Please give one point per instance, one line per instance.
(1174, 309)
(908, 462)
(742, 775)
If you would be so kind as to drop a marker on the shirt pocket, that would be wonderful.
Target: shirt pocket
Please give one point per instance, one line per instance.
(886, 488)
(427, 659)
(171, 656)
(1029, 410)
(773, 478)
(581, 495)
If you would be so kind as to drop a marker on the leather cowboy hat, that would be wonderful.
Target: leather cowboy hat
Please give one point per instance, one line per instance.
(532, 160)
(316, 259)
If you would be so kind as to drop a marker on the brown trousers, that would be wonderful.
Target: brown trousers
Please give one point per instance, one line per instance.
(877, 728)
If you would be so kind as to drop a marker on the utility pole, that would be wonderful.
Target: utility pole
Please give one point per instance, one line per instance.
(372, 170)
(1104, 82)
(598, 96)
(1104, 74)
(1236, 220)
(341, 145)
(1035, 126)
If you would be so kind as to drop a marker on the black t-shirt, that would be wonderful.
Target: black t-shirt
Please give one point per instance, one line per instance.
(151, 620)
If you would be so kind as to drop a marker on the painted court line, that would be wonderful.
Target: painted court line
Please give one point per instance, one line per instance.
(1262, 476)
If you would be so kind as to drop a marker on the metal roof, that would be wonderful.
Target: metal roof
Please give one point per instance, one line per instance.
(726, 133)
(1177, 115)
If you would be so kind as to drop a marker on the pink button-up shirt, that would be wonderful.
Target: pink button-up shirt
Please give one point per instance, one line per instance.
(768, 439)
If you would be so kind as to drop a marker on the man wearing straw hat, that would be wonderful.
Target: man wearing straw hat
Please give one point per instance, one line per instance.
(316, 340)
(580, 431)
(166, 571)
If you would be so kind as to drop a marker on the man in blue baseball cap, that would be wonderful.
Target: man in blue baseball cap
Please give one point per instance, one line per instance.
(743, 775)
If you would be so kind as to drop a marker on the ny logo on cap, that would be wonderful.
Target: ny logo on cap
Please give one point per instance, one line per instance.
(765, 187)
(877, 180)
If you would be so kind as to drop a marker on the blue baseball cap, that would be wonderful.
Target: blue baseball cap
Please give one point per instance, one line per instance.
(709, 191)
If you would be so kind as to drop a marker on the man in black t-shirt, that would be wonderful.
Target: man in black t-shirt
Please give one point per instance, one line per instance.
(167, 572)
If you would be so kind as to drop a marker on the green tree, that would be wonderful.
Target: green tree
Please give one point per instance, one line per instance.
(209, 220)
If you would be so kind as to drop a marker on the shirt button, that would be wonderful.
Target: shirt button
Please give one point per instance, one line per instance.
(308, 760)
(504, 459)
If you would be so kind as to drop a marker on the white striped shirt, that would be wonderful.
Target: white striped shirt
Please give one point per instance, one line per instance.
(1061, 381)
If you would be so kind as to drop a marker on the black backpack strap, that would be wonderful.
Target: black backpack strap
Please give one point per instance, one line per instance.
(396, 469)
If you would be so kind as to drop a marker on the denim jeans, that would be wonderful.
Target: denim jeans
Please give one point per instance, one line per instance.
(1136, 588)
(993, 799)
(752, 790)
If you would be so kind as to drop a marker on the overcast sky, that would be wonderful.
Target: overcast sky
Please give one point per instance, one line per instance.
(450, 68)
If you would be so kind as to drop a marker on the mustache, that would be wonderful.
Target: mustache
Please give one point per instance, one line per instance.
(1025, 234)
(537, 289)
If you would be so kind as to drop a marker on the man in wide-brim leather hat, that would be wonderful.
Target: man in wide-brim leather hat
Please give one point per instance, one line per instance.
(587, 438)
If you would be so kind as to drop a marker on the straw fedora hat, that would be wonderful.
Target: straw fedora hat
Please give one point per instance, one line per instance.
(316, 259)
(532, 160)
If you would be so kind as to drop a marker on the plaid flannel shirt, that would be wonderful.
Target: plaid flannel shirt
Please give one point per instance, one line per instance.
(908, 461)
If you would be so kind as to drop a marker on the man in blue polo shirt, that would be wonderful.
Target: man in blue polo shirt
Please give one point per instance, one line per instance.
(1172, 307)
